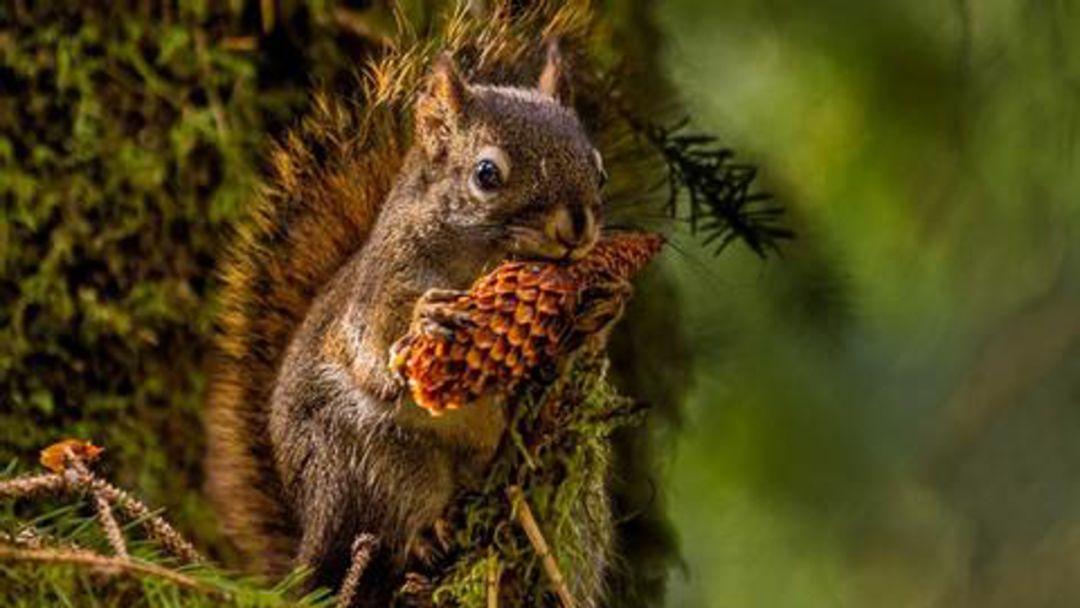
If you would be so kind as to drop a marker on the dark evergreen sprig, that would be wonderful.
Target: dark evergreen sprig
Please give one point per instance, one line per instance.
(723, 203)
(58, 553)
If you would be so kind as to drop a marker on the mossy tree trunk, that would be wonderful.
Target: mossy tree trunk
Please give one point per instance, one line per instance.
(131, 134)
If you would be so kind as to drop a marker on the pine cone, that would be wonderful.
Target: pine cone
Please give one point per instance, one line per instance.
(520, 318)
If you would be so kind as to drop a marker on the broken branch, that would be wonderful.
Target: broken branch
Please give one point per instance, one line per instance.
(528, 523)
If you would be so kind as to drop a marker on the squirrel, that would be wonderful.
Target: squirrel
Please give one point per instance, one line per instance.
(311, 441)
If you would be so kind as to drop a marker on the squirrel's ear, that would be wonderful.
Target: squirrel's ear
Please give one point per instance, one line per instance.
(440, 104)
(554, 80)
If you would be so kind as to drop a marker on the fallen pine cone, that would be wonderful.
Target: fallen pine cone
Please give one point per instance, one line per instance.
(517, 320)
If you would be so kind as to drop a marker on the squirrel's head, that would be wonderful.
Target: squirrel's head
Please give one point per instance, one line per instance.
(510, 169)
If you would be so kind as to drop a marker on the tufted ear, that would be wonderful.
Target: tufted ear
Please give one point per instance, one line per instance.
(440, 106)
(555, 79)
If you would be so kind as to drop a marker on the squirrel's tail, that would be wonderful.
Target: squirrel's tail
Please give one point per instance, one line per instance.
(316, 207)
(326, 182)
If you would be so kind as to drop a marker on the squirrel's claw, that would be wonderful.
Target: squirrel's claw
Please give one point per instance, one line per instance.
(399, 355)
(443, 533)
(417, 590)
(387, 386)
(443, 296)
(430, 546)
(424, 552)
(435, 312)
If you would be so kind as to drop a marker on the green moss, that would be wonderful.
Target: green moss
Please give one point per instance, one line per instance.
(130, 139)
(558, 451)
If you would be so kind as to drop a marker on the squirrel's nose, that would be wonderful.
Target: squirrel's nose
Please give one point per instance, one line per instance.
(574, 226)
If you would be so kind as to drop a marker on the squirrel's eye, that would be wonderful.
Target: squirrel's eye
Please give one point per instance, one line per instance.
(488, 176)
(490, 173)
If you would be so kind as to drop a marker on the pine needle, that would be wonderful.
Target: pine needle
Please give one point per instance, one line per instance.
(722, 202)
(32, 486)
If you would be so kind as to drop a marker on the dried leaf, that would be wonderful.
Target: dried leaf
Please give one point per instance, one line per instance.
(54, 456)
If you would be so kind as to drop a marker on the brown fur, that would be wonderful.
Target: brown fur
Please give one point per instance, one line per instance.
(309, 441)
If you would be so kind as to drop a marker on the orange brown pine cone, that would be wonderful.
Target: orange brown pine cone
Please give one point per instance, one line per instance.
(516, 321)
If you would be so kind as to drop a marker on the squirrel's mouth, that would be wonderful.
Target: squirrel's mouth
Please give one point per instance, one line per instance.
(530, 243)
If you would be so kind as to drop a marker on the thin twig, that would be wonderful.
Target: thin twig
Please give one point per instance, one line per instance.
(155, 526)
(362, 548)
(493, 574)
(101, 505)
(528, 523)
(112, 529)
(105, 564)
(32, 485)
(79, 476)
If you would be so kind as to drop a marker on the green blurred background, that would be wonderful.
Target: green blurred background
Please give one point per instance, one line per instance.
(889, 415)
(883, 416)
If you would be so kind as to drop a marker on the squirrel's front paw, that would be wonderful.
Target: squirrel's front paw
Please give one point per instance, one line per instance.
(416, 591)
(431, 545)
(437, 311)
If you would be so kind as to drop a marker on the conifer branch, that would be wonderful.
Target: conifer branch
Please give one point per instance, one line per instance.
(104, 564)
(101, 505)
(723, 203)
(69, 460)
(108, 523)
(155, 526)
(31, 486)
